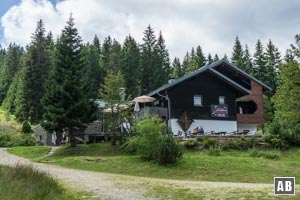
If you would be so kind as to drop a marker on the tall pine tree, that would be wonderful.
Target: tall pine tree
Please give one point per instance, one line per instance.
(163, 61)
(201, 60)
(259, 62)
(247, 61)
(209, 59)
(149, 61)
(273, 60)
(37, 66)
(131, 66)
(177, 69)
(237, 57)
(10, 66)
(66, 100)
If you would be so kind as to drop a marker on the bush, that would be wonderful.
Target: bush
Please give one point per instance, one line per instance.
(190, 144)
(5, 140)
(170, 151)
(26, 128)
(276, 142)
(214, 152)
(210, 143)
(230, 144)
(153, 143)
(12, 140)
(132, 145)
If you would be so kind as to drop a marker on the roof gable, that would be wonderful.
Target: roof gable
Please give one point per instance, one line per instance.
(211, 68)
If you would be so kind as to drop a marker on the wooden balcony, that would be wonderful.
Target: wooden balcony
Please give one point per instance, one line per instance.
(150, 111)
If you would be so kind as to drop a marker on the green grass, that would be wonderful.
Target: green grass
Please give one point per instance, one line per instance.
(169, 192)
(23, 182)
(30, 152)
(231, 166)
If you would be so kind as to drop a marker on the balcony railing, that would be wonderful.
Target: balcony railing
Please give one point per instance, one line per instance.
(150, 111)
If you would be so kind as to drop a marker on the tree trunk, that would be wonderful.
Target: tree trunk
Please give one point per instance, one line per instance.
(72, 137)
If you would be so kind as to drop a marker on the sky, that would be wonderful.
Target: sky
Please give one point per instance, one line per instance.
(212, 24)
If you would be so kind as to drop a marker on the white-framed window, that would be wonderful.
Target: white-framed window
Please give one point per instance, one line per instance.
(198, 100)
(221, 100)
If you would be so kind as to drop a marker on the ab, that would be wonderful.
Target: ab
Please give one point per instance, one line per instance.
(284, 185)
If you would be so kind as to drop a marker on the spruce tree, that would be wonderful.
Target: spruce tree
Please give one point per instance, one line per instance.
(38, 63)
(130, 62)
(92, 63)
(216, 58)
(163, 61)
(185, 63)
(259, 62)
(237, 54)
(201, 60)
(289, 56)
(10, 66)
(225, 57)
(273, 60)
(97, 44)
(66, 102)
(177, 69)
(247, 61)
(9, 103)
(209, 59)
(105, 56)
(149, 61)
(115, 57)
(21, 106)
(193, 62)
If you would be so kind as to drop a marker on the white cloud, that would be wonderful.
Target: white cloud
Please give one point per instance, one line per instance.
(213, 24)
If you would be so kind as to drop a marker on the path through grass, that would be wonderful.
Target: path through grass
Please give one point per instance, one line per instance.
(231, 166)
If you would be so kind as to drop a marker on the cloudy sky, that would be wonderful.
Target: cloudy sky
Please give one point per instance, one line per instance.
(213, 24)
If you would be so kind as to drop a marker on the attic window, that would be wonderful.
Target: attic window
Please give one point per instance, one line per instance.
(221, 100)
(197, 100)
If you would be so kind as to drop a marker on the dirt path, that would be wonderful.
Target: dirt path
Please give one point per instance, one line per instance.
(111, 186)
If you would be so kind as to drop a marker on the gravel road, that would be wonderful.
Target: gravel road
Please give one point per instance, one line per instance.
(115, 187)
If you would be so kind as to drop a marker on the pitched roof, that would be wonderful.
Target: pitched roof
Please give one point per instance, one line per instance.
(211, 68)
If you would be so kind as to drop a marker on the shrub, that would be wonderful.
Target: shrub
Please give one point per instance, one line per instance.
(210, 143)
(243, 144)
(26, 128)
(153, 143)
(12, 140)
(189, 144)
(230, 144)
(214, 152)
(5, 140)
(276, 142)
(132, 145)
(170, 151)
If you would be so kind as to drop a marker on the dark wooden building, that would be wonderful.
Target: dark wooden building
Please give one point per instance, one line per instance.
(220, 97)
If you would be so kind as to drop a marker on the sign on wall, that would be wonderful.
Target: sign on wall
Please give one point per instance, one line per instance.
(219, 110)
